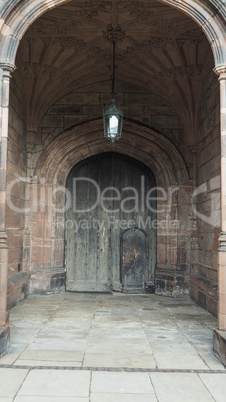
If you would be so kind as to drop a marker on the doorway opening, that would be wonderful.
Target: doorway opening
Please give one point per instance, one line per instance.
(110, 239)
(134, 260)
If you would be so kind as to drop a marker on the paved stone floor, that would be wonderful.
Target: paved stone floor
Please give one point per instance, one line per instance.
(114, 348)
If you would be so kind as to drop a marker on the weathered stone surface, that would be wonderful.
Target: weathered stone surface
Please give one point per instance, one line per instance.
(4, 339)
(204, 291)
(18, 287)
(208, 201)
(74, 382)
(189, 387)
(10, 382)
(44, 282)
(219, 345)
(101, 330)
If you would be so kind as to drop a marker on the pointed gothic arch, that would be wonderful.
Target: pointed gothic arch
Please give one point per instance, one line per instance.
(17, 16)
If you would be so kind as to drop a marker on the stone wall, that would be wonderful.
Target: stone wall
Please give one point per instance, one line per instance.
(78, 107)
(65, 77)
(37, 243)
(207, 200)
(44, 249)
(173, 239)
(18, 280)
(175, 246)
(16, 179)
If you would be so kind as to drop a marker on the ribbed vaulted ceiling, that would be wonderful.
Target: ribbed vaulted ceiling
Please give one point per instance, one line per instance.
(158, 48)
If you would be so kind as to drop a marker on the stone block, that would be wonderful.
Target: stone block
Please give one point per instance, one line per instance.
(91, 110)
(79, 99)
(52, 121)
(171, 255)
(219, 345)
(213, 149)
(57, 281)
(47, 383)
(211, 96)
(144, 99)
(133, 112)
(193, 291)
(212, 274)
(161, 254)
(14, 255)
(204, 291)
(12, 221)
(65, 109)
(206, 285)
(17, 122)
(201, 299)
(70, 121)
(167, 121)
(211, 306)
(203, 270)
(170, 283)
(18, 287)
(37, 253)
(4, 339)
(43, 282)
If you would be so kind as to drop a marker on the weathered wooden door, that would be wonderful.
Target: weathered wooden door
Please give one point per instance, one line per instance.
(108, 199)
(134, 260)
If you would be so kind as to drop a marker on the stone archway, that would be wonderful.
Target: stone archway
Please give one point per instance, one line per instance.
(18, 17)
(65, 152)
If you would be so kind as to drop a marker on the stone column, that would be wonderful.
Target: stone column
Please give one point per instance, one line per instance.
(27, 243)
(220, 333)
(5, 70)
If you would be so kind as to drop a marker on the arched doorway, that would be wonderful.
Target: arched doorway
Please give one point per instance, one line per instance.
(134, 260)
(17, 20)
(110, 239)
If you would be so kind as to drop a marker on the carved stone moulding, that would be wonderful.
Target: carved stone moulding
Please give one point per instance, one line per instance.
(114, 34)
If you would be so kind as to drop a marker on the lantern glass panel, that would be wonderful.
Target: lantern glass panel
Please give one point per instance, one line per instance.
(113, 119)
(113, 125)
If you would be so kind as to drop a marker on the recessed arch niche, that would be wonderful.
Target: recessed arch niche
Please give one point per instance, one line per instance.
(142, 145)
(110, 232)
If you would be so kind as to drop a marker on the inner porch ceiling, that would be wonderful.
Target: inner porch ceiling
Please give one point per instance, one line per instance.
(160, 50)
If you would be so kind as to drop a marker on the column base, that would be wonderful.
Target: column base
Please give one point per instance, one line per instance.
(219, 345)
(4, 339)
(44, 282)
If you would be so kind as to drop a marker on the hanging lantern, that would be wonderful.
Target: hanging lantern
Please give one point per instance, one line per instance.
(113, 117)
(113, 120)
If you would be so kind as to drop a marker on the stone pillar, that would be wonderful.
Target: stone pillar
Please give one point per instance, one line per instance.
(5, 70)
(220, 334)
(27, 251)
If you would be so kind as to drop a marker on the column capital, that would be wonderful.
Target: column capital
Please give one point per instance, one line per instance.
(30, 140)
(3, 239)
(221, 72)
(7, 68)
(222, 242)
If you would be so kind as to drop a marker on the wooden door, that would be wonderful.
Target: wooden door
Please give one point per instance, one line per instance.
(94, 228)
(134, 260)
